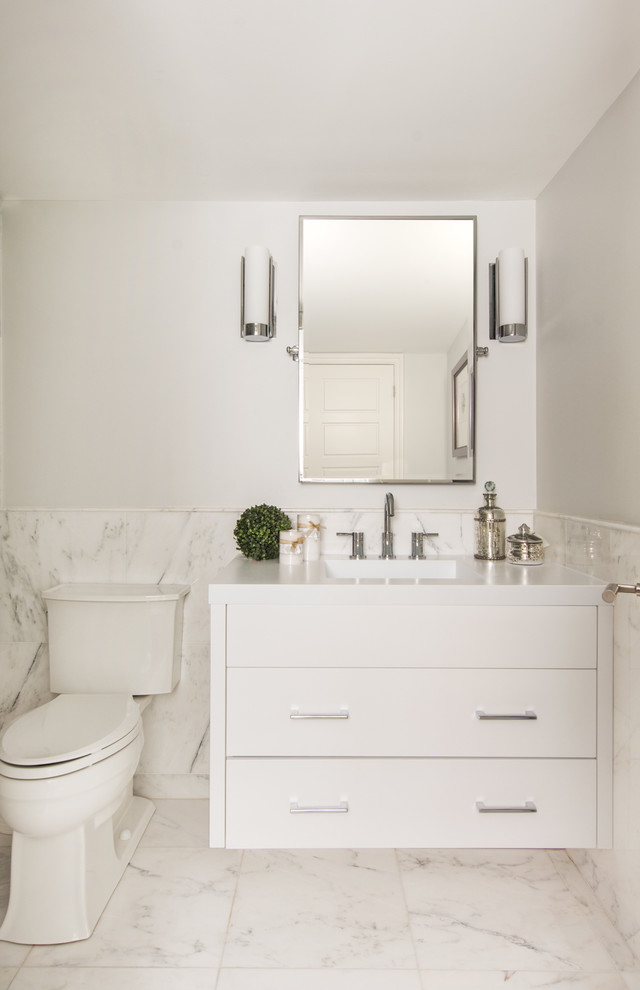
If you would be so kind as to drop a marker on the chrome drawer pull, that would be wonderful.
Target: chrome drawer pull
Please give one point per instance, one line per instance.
(296, 713)
(526, 808)
(295, 809)
(526, 716)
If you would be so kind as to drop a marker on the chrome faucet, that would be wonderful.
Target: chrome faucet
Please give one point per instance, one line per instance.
(387, 536)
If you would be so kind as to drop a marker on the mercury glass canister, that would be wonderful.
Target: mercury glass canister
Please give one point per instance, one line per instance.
(490, 527)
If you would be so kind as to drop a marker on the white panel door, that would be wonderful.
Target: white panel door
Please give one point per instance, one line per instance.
(350, 421)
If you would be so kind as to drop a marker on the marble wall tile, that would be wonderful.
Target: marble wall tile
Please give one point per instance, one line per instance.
(40, 549)
(172, 785)
(588, 546)
(181, 548)
(24, 677)
(552, 531)
(176, 725)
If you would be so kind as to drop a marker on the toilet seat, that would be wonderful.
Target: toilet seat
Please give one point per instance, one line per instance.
(68, 733)
(48, 770)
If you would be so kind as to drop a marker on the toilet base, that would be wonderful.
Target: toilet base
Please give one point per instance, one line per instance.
(60, 885)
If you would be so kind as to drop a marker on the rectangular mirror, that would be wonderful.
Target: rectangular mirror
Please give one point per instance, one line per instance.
(387, 349)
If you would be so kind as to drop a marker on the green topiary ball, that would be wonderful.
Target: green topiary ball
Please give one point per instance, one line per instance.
(258, 529)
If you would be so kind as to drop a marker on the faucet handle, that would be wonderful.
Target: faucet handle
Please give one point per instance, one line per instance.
(417, 545)
(357, 545)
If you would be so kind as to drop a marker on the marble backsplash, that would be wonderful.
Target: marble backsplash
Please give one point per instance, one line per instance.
(40, 548)
(612, 553)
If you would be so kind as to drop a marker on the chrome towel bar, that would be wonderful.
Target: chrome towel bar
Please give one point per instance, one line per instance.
(612, 590)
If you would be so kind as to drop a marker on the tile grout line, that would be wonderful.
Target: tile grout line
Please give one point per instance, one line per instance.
(409, 925)
(231, 907)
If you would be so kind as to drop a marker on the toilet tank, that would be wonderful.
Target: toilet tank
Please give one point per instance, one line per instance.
(115, 638)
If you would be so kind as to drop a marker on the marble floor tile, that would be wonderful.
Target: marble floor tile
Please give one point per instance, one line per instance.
(10, 953)
(170, 909)
(308, 910)
(508, 910)
(317, 979)
(602, 926)
(493, 980)
(178, 824)
(62, 978)
(331, 920)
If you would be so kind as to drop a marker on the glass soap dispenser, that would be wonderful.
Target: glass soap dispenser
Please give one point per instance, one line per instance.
(490, 527)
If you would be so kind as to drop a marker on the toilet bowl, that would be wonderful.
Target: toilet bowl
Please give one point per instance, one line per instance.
(66, 768)
(73, 815)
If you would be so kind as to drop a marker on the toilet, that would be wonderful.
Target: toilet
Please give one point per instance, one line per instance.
(66, 768)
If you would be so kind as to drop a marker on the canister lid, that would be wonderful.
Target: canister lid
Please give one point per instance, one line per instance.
(524, 537)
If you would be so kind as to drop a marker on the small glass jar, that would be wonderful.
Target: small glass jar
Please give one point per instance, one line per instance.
(525, 547)
(290, 547)
(490, 527)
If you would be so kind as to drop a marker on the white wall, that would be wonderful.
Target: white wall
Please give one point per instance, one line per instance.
(127, 384)
(588, 220)
(425, 411)
(588, 447)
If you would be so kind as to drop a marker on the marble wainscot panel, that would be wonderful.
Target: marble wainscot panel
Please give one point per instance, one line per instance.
(180, 547)
(612, 552)
(38, 550)
(43, 548)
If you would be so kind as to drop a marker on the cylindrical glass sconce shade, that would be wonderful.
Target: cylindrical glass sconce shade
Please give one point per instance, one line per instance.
(258, 294)
(508, 296)
(512, 292)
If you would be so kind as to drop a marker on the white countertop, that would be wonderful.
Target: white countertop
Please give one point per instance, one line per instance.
(480, 582)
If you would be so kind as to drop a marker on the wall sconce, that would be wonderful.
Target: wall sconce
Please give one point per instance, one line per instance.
(508, 292)
(258, 295)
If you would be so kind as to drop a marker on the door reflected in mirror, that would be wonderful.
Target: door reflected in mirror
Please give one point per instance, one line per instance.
(387, 349)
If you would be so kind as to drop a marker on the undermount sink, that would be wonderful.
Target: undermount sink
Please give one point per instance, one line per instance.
(399, 569)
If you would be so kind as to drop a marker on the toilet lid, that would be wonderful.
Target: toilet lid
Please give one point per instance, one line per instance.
(69, 727)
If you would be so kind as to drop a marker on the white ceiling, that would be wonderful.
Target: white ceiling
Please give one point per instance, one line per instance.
(303, 99)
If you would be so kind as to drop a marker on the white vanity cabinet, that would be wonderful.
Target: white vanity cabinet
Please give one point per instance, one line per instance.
(382, 718)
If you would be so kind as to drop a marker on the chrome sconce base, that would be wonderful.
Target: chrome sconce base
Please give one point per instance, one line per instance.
(511, 333)
(256, 331)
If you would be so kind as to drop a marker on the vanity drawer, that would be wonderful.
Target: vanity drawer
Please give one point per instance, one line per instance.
(410, 803)
(411, 636)
(410, 712)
